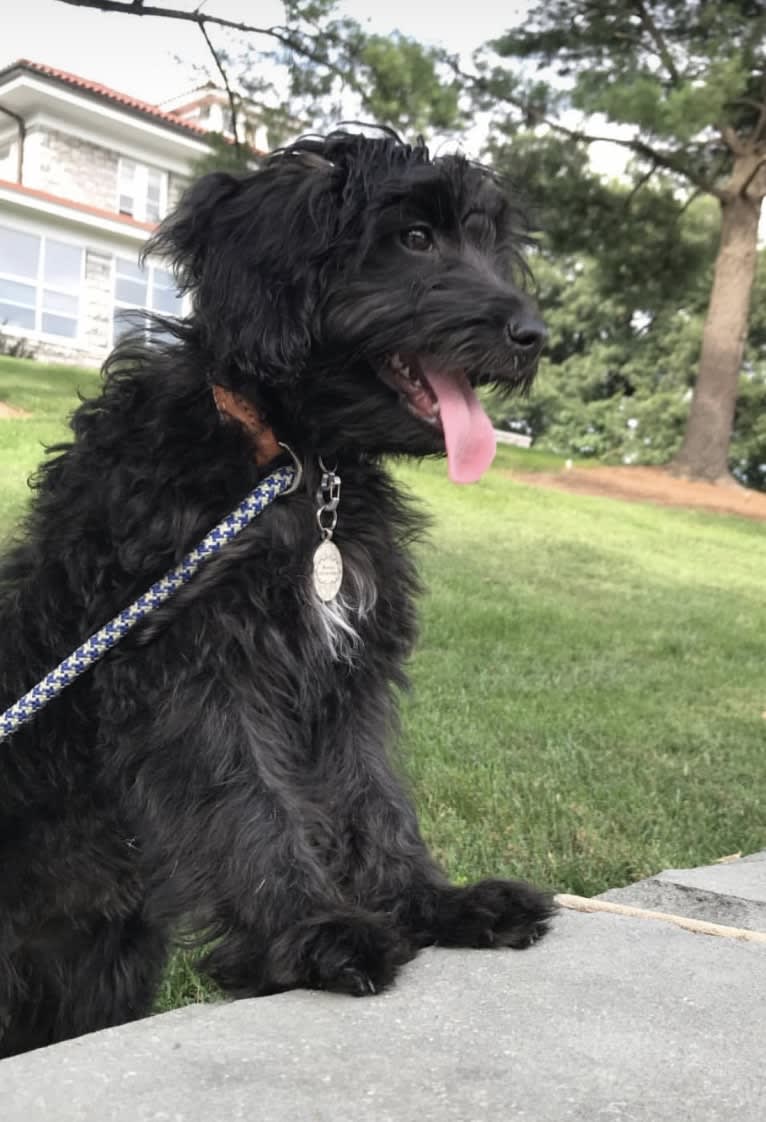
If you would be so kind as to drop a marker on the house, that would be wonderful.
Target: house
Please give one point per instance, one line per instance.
(208, 105)
(257, 127)
(86, 173)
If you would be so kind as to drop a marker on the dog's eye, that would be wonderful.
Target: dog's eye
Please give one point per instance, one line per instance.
(418, 238)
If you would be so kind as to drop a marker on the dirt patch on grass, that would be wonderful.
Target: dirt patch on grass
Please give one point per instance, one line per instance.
(652, 485)
(11, 413)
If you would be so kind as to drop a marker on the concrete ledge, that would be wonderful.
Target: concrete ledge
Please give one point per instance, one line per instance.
(607, 1018)
(733, 893)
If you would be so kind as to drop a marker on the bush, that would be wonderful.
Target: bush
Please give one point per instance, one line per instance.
(15, 346)
(748, 447)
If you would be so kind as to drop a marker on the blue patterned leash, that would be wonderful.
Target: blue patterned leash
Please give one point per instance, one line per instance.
(281, 482)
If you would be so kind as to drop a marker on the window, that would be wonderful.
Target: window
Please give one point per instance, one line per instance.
(8, 161)
(153, 204)
(150, 288)
(141, 191)
(40, 280)
(126, 201)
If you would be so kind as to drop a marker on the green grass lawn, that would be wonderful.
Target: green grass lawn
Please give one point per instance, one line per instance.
(49, 393)
(589, 688)
(511, 458)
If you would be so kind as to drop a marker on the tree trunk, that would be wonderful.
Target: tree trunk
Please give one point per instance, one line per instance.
(705, 450)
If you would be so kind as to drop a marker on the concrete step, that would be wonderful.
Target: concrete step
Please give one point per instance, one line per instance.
(608, 1018)
(732, 893)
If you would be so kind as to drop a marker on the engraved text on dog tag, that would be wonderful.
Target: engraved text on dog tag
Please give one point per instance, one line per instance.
(328, 570)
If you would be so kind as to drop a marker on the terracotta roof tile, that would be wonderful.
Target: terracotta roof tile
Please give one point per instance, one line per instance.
(134, 103)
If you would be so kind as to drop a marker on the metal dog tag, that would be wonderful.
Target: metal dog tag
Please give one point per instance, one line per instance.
(328, 570)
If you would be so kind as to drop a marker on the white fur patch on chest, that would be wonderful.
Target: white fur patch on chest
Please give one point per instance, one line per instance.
(338, 619)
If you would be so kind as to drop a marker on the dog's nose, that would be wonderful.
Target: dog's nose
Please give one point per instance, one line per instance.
(525, 332)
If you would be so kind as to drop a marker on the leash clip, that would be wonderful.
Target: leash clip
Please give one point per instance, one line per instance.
(328, 499)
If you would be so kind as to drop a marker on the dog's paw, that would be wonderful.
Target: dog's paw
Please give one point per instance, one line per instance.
(494, 913)
(358, 957)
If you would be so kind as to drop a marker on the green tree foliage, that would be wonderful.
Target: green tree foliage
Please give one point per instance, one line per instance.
(624, 278)
(325, 68)
(224, 155)
(687, 81)
(617, 376)
(677, 70)
(336, 69)
(405, 87)
(311, 70)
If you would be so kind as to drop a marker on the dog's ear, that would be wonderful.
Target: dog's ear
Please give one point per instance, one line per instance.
(251, 251)
(184, 236)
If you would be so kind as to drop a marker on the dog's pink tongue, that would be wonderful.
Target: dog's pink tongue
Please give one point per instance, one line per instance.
(468, 431)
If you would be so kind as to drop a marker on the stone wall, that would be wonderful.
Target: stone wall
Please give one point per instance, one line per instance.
(75, 169)
(97, 301)
(64, 354)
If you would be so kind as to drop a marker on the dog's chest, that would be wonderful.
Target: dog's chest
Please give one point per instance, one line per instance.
(369, 621)
(347, 546)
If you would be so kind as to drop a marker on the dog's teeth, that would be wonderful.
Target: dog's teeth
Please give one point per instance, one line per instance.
(434, 410)
(399, 367)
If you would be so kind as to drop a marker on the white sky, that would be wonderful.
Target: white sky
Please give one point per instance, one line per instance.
(136, 55)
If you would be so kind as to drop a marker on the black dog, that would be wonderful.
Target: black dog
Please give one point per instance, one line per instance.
(226, 768)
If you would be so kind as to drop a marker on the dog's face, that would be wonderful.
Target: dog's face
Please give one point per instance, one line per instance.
(362, 291)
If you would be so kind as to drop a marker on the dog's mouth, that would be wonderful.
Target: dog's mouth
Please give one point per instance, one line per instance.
(405, 375)
(445, 400)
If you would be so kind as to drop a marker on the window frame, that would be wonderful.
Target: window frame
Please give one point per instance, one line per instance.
(149, 269)
(40, 286)
(9, 154)
(140, 190)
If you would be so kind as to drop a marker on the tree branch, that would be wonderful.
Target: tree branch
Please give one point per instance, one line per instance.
(139, 8)
(224, 76)
(667, 160)
(747, 101)
(534, 115)
(695, 194)
(641, 182)
(733, 141)
(760, 164)
(656, 36)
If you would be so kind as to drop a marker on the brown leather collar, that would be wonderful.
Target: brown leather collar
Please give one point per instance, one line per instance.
(234, 406)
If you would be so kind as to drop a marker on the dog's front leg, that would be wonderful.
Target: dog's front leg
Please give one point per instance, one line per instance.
(236, 839)
(290, 926)
(394, 873)
(401, 879)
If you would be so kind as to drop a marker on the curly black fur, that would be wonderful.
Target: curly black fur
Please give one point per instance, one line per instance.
(226, 769)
